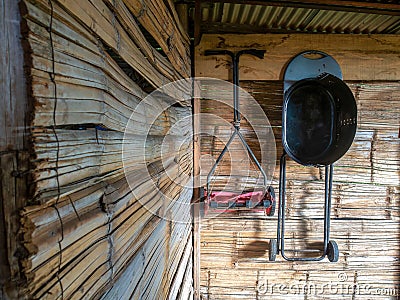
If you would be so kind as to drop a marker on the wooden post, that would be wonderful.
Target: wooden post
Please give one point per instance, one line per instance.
(12, 197)
(13, 100)
(4, 265)
(13, 140)
(196, 193)
(197, 22)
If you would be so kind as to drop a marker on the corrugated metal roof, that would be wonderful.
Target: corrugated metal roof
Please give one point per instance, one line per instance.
(242, 17)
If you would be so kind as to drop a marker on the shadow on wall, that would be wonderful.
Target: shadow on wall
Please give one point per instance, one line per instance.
(259, 249)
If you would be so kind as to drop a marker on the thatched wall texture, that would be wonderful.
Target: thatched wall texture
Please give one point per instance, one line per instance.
(366, 194)
(99, 221)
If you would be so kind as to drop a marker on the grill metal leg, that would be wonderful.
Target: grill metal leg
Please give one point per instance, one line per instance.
(328, 245)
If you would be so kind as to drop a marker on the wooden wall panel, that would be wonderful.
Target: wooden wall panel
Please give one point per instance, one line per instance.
(365, 203)
(363, 57)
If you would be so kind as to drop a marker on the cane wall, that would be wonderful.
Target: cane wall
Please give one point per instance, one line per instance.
(366, 196)
(93, 222)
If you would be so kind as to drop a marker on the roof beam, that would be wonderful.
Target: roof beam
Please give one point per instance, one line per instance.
(219, 27)
(344, 5)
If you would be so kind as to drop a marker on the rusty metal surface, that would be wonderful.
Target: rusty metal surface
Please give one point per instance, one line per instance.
(244, 18)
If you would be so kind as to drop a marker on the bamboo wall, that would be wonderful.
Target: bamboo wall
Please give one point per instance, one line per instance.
(366, 195)
(93, 225)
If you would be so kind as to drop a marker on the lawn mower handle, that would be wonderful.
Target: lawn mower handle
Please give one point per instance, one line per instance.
(254, 52)
(236, 112)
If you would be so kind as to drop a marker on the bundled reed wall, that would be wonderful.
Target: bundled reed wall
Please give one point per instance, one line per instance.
(366, 196)
(98, 223)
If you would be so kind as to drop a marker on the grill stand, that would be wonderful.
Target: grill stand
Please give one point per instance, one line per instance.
(278, 245)
(308, 64)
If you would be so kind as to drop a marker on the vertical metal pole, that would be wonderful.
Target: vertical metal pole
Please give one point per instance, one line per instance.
(236, 102)
(282, 196)
(328, 201)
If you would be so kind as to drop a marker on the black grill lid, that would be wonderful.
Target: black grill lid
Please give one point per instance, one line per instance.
(319, 120)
